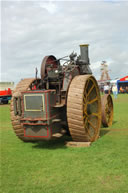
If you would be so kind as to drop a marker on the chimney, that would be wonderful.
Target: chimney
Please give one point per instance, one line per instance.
(84, 53)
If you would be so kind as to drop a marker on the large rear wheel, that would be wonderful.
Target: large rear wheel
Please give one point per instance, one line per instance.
(84, 108)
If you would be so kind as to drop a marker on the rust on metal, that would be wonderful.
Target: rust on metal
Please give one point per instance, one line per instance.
(107, 110)
(22, 86)
(66, 96)
(84, 119)
(47, 63)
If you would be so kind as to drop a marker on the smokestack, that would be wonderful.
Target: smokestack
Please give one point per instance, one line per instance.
(84, 53)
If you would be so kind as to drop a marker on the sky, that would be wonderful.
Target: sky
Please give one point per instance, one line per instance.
(31, 30)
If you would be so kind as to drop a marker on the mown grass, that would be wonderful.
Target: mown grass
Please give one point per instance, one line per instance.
(50, 167)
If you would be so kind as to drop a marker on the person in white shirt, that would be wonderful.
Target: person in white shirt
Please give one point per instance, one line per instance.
(106, 89)
(114, 90)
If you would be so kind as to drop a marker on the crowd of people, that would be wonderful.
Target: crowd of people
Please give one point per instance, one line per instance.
(107, 89)
(112, 89)
(123, 89)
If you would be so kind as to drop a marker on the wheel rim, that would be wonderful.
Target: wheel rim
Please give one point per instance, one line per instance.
(84, 108)
(91, 108)
(107, 110)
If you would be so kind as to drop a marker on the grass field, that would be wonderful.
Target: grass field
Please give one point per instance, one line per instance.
(50, 167)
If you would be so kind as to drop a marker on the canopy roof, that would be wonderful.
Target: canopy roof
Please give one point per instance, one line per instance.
(124, 79)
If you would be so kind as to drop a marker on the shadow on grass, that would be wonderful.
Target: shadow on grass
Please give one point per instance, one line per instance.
(60, 142)
(52, 144)
(114, 122)
(104, 132)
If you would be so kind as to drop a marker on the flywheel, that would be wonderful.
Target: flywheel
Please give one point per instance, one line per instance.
(84, 108)
(48, 63)
(22, 86)
(107, 110)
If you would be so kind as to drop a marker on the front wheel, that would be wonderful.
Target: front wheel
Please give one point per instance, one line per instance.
(84, 108)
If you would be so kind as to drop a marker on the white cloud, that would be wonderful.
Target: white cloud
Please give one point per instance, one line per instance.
(31, 30)
(49, 6)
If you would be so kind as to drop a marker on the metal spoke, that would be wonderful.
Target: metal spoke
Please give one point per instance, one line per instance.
(84, 117)
(93, 100)
(95, 114)
(90, 90)
(85, 99)
(86, 128)
(86, 85)
(85, 112)
(92, 125)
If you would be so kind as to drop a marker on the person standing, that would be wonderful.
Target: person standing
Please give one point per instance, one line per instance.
(106, 89)
(114, 90)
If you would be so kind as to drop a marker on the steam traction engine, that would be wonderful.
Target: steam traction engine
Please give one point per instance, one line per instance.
(66, 96)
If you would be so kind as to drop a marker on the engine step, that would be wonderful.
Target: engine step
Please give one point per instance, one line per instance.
(77, 144)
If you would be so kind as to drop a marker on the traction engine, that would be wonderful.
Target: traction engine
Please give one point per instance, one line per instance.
(65, 98)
